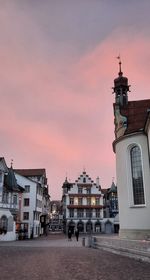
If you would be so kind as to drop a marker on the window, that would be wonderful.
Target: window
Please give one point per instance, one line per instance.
(88, 213)
(71, 200)
(97, 201)
(27, 189)
(26, 201)
(80, 213)
(88, 201)
(88, 190)
(137, 176)
(39, 203)
(80, 201)
(25, 215)
(5, 197)
(79, 189)
(15, 199)
(39, 190)
(84, 180)
(97, 213)
(71, 213)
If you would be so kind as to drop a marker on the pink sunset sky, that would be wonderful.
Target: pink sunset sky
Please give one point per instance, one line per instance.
(57, 66)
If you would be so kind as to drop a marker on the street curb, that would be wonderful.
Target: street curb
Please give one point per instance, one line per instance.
(132, 253)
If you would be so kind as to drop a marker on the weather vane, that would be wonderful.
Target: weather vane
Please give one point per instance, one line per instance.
(119, 58)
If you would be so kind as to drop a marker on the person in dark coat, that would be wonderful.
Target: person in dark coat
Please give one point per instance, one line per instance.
(69, 234)
(77, 234)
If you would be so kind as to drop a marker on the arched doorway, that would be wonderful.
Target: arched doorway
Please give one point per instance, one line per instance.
(89, 227)
(80, 226)
(97, 227)
(3, 224)
(108, 227)
(71, 225)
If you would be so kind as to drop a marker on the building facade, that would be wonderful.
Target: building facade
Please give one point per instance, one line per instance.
(35, 202)
(10, 202)
(82, 203)
(111, 212)
(132, 149)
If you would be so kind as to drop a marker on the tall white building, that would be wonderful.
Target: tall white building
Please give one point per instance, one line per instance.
(35, 201)
(82, 204)
(132, 149)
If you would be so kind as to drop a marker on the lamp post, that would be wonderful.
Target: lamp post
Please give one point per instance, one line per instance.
(90, 224)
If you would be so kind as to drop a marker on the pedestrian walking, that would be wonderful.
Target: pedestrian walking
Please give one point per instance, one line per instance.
(69, 234)
(77, 234)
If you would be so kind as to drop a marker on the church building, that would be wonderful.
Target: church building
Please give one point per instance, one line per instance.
(132, 149)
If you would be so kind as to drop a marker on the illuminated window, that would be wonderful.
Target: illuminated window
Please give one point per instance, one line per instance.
(137, 176)
(88, 201)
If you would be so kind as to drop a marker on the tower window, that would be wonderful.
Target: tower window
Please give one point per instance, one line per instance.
(137, 176)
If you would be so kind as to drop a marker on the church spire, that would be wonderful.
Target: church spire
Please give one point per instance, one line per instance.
(121, 87)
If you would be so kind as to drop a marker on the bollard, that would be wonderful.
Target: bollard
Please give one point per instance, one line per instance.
(83, 241)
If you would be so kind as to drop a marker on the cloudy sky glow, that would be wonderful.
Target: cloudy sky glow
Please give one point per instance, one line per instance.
(57, 65)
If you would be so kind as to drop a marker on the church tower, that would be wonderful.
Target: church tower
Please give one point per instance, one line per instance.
(132, 149)
(121, 88)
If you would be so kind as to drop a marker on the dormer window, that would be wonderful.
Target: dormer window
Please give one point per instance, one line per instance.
(84, 180)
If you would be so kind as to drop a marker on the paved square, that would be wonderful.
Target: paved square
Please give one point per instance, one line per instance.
(30, 260)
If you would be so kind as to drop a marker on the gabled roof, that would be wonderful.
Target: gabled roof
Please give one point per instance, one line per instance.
(136, 113)
(31, 172)
(113, 188)
(11, 182)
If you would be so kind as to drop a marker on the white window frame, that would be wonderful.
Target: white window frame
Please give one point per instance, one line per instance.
(129, 177)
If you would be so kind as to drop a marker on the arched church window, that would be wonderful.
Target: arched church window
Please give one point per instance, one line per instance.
(137, 176)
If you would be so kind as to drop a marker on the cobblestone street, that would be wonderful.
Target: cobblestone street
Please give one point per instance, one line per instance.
(55, 258)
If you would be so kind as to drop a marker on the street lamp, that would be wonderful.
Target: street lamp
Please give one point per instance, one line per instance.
(89, 229)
